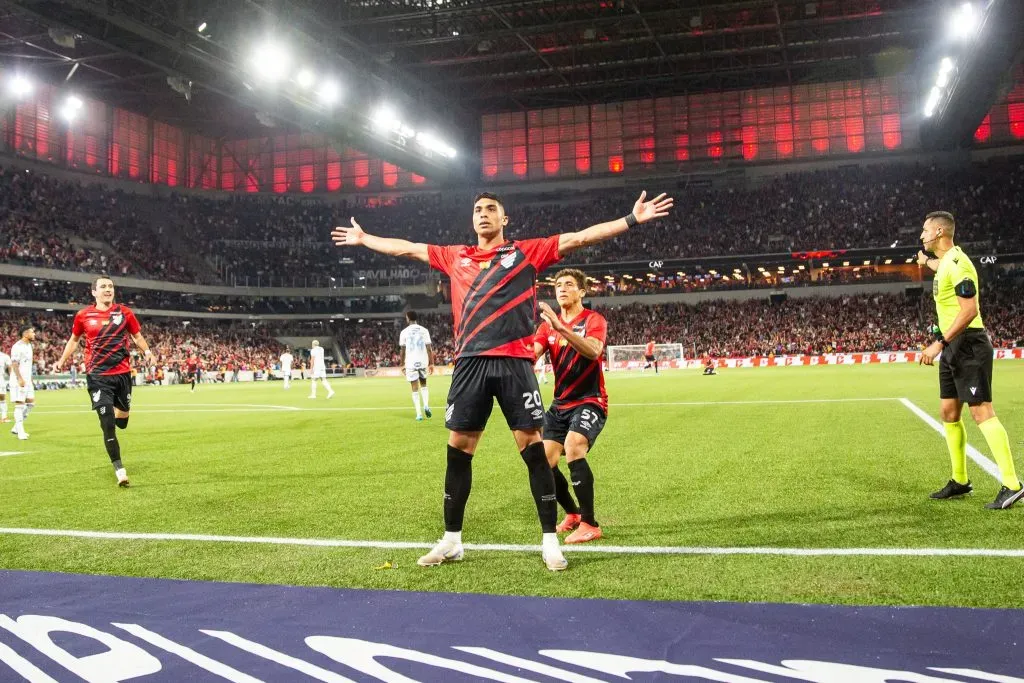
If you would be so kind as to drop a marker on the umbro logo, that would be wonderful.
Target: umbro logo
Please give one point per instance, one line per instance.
(465, 261)
(537, 414)
(956, 260)
(974, 390)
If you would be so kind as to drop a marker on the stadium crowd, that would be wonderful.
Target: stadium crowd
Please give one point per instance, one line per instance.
(220, 345)
(284, 238)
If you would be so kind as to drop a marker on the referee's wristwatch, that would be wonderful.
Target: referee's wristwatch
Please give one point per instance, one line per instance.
(940, 338)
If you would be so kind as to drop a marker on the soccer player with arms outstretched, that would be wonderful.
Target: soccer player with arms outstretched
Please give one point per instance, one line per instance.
(107, 327)
(965, 366)
(574, 337)
(494, 294)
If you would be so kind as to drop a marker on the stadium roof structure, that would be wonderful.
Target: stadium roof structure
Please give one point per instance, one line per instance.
(455, 59)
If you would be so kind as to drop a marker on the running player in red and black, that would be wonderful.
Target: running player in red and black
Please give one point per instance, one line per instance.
(107, 327)
(575, 338)
(650, 357)
(494, 295)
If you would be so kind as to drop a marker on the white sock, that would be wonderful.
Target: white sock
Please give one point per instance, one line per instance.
(416, 402)
(327, 386)
(28, 409)
(425, 393)
(286, 382)
(456, 536)
(549, 542)
(312, 388)
(3, 410)
(19, 416)
(120, 474)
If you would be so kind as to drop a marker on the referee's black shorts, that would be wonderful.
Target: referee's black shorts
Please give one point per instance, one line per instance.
(478, 380)
(110, 390)
(965, 368)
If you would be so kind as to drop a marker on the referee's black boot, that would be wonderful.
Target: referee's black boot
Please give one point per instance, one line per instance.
(952, 489)
(1006, 498)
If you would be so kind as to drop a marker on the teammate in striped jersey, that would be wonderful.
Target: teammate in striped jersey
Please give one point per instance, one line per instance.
(107, 327)
(574, 337)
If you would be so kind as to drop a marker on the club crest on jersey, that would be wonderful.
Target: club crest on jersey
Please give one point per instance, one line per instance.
(116, 318)
(507, 260)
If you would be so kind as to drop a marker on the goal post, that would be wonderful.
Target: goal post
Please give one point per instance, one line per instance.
(632, 357)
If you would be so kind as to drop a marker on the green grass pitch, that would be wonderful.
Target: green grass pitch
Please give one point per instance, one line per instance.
(774, 457)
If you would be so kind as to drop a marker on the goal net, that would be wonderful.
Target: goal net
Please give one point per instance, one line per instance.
(632, 357)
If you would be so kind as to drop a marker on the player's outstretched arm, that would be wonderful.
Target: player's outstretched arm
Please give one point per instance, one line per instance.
(643, 211)
(355, 237)
(69, 349)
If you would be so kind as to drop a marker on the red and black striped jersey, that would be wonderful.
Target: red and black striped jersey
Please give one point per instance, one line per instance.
(107, 334)
(578, 379)
(494, 294)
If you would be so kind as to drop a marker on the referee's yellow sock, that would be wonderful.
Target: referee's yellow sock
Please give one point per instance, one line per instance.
(999, 443)
(956, 440)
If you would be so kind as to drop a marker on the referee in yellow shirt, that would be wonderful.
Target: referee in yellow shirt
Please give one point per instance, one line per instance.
(965, 367)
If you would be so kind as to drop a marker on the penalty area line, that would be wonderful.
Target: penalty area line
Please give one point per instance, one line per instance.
(499, 547)
(975, 455)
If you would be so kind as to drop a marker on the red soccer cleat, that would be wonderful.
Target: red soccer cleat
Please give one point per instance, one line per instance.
(584, 533)
(569, 523)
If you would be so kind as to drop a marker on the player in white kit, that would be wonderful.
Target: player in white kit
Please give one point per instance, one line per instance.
(5, 366)
(540, 370)
(418, 359)
(319, 370)
(286, 367)
(22, 392)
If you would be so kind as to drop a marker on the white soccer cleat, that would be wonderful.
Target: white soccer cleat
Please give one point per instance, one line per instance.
(330, 393)
(22, 436)
(122, 478)
(444, 551)
(554, 560)
(311, 396)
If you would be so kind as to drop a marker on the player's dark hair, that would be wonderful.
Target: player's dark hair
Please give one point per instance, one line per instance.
(578, 275)
(489, 195)
(945, 218)
(101, 277)
(22, 329)
(410, 316)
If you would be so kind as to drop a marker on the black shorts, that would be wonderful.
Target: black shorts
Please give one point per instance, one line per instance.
(649, 359)
(587, 419)
(478, 380)
(110, 390)
(965, 368)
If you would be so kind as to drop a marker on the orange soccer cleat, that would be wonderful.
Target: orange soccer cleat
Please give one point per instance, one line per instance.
(570, 522)
(584, 533)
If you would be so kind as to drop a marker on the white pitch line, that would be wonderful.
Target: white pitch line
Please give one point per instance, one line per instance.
(4, 454)
(976, 455)
(499, 547)
(264, 408)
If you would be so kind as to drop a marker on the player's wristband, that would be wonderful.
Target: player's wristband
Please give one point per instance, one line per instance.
(940, 338)
(630, 220)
